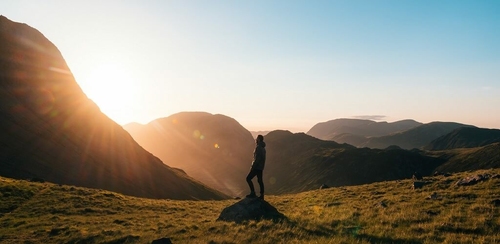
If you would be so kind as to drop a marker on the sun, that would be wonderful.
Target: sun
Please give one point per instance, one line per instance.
(112, 88)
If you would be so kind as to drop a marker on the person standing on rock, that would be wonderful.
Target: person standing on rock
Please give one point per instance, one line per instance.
(259, 160)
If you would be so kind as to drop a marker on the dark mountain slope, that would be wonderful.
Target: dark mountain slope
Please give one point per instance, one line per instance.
(417, 137)
(463, 159)
(51, 130)
(465, 137)
(214, 149)
(298, 162)
(351, 139)
(330, 129)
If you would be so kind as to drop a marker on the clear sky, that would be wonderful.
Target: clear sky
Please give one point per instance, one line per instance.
(280, 64)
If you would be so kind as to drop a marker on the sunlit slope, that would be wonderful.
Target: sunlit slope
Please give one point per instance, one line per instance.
(299, 162)
(384, 212)
(51, 130)
(214, 149)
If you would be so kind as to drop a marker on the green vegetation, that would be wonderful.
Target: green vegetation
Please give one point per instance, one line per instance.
(385, 212)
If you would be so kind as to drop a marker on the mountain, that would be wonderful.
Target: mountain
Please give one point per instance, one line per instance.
(465, 137)
(351, 139)
(214, 149)
(406, 134)
(464, 159)
(358, 127)
(51, 130)
(417, 137)
(299, 162)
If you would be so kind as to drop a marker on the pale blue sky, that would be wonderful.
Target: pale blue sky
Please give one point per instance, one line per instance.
(280, 64)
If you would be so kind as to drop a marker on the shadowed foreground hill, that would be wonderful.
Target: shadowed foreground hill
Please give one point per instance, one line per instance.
(465, 137)
(299, 162)
(51, 130)
(384, 212)
(214, 149)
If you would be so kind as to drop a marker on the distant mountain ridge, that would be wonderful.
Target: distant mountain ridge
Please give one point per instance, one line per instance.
(417, 137)
(465, 137)
(51, 130)
(366, 128)
(406, 134)
(214, 149)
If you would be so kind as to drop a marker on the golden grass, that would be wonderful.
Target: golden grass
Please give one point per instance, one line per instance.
(385, 212)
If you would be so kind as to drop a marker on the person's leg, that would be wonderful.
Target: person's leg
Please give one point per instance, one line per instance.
(261, 183)
(249, 181)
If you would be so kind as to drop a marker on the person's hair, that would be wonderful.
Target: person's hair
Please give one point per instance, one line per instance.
(260, 137)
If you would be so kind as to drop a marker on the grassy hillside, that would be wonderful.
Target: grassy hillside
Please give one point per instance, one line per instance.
(385, 212)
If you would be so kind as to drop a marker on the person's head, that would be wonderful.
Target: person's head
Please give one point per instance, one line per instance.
(259, 138)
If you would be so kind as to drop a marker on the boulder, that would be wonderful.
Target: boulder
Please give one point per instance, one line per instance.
(472, 180)
(162, 241)
(250, 209)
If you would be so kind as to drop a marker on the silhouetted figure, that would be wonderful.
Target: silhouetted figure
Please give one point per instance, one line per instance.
(259, 160)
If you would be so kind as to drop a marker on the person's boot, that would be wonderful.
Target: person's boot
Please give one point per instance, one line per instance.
(252, 195)
(261, 196)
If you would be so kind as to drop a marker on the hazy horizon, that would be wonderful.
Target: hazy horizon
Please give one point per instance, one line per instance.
(280, 64)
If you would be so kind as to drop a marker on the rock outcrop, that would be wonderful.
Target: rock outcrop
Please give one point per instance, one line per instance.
(250, 209)
(472, 180)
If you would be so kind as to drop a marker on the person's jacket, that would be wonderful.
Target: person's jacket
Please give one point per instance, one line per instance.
(259, 156)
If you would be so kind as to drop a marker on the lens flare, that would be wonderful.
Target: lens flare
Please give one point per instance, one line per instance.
(216, 145)
(197, 134)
